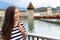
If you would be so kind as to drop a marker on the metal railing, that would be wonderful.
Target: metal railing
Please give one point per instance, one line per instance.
(37, 37)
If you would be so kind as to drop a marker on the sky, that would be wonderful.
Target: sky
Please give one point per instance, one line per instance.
(36, 3)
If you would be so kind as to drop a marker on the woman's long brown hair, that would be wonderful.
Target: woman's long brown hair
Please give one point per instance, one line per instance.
(8, 23)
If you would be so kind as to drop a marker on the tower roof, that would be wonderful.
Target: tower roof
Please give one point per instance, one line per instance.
(30, 6)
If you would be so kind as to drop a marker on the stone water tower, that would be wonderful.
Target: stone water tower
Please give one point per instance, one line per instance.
(30, 11)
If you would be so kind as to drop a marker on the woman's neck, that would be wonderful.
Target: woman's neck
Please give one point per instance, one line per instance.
(15, 23)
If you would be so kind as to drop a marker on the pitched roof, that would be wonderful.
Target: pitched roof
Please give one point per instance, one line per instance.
(30, 6)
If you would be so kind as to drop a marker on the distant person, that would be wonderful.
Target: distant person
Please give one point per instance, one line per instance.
(12, 28)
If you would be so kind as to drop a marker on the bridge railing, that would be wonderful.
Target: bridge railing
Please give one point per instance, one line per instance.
(38, 37)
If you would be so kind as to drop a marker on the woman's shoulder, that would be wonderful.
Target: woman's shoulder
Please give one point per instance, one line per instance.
(21, 23)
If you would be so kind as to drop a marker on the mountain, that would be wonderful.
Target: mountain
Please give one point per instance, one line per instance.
(43, 8)
(22, 9)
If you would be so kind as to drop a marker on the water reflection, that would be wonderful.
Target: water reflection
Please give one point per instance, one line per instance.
(31, 25)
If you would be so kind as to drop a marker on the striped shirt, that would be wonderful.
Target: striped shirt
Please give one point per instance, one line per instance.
(16, 33)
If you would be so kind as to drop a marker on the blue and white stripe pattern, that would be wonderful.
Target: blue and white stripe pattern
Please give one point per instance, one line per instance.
(16, 33)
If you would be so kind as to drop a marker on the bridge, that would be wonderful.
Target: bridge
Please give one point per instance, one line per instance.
(47, 17)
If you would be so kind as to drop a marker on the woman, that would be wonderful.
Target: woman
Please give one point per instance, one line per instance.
(12, 29)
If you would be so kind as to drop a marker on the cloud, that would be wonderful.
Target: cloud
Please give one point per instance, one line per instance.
(23, 3)
(36, 3)
(19, 3)
(45, 3)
